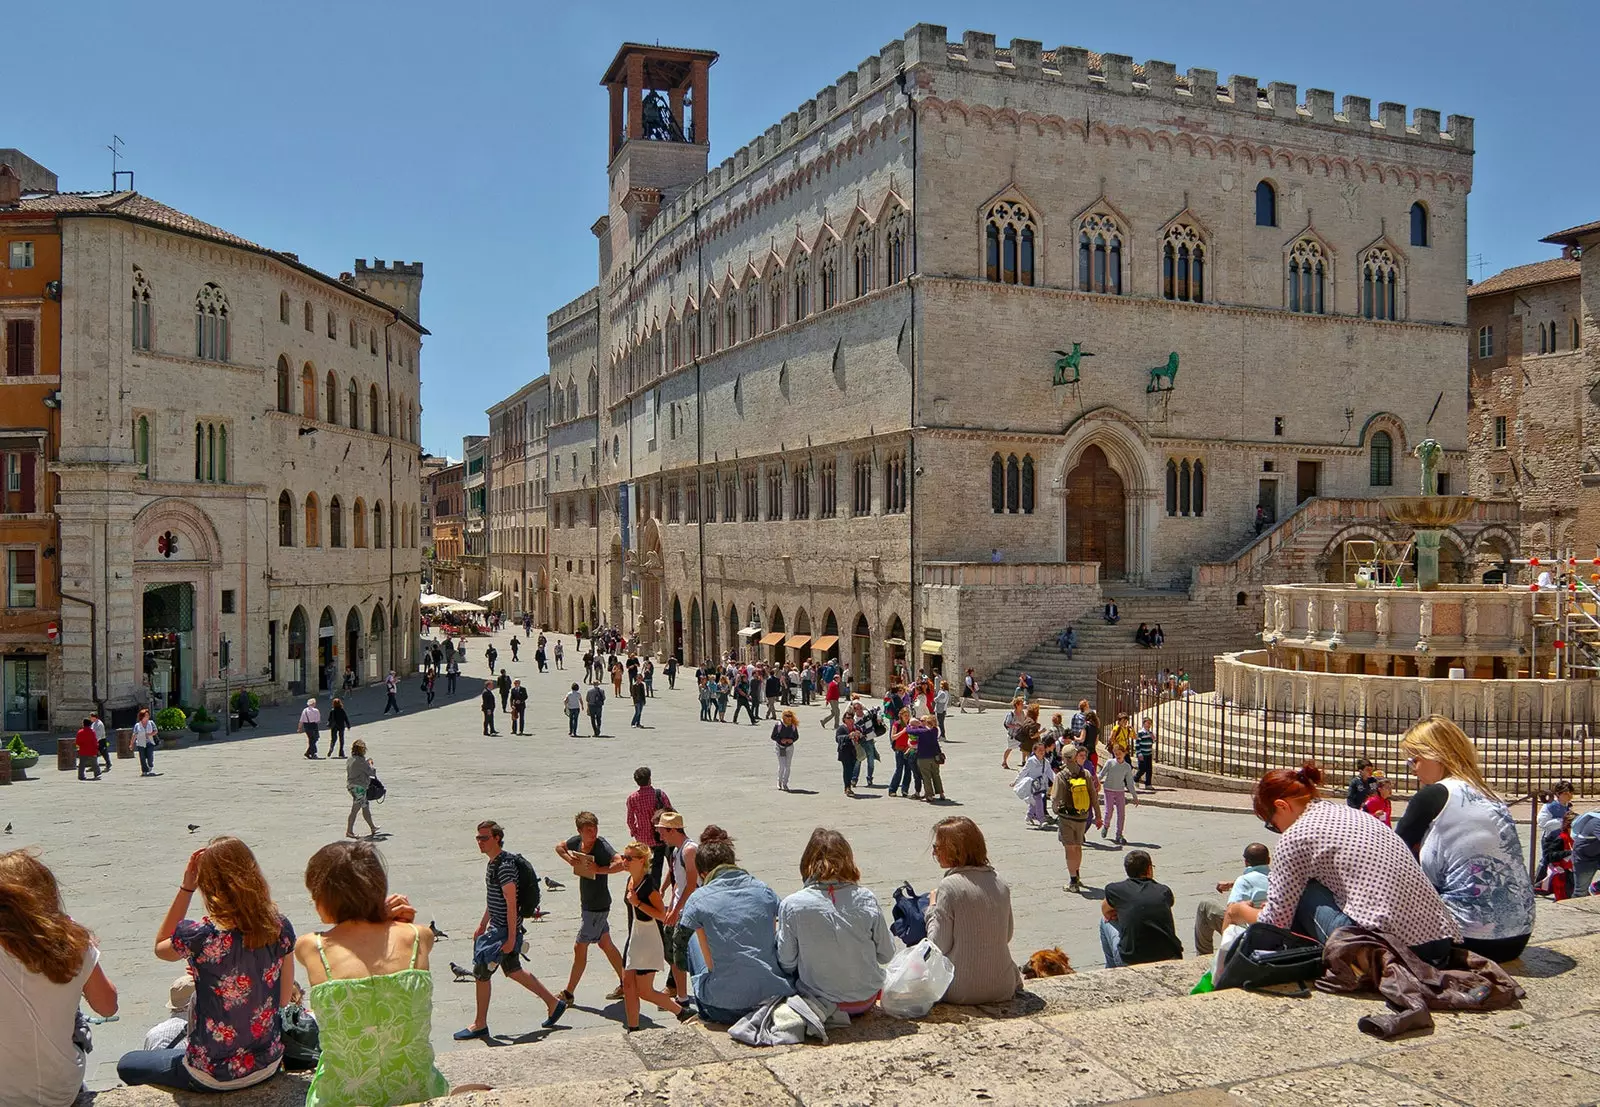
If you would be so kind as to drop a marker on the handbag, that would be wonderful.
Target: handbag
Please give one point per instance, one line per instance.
(910, 922)
(302, 1040)
(376, 791)
(1265, 955)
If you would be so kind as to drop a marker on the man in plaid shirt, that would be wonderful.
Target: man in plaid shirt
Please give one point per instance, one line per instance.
(641, 807)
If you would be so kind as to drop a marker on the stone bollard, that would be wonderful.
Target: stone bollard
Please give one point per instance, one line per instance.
(66, 754)
(5, 767)
(124, 743)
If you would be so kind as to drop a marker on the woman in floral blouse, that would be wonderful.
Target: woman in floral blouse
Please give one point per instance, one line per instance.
(241, 954)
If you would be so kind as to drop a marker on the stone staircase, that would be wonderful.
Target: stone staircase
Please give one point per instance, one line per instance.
(1192, 628)
(1121, 1036)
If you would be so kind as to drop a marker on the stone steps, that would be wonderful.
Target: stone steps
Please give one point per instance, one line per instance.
(1121, 1036)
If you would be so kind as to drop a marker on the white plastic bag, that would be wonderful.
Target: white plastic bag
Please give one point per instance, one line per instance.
(915, 980)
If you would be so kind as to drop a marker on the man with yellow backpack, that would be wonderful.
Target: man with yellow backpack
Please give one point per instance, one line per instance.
(1075, 799)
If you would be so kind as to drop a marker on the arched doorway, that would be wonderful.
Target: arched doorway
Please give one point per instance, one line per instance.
(377, 645)
(352, 642)
(861, 655)
(894, 653)
(327, 649)
(652, 621)
(169, 646)
(1096, 515)
(399, 650)
(297, 651)
(828, 644)
(774, 636)
(614, 582)
(802, 629)
(677, 629)
(716, 635)
(734, 641)
(697, 646)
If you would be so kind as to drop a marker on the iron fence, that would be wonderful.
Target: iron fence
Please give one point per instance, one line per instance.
(1197, 731)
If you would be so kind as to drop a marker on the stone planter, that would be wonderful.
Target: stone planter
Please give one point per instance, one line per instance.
(16, 768)
(170, 738)
(207, 728)
(5, 767)
(124, 743)
(66, 754)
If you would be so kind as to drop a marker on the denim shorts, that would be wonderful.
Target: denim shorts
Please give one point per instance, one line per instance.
(594, 926)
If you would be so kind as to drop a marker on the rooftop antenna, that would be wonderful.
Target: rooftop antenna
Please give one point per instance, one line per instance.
(116, 156)
(1476, 262)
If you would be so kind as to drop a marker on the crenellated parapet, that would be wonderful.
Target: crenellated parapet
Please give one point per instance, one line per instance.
(381, 268)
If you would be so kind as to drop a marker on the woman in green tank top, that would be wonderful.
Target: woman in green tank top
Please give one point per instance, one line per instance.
(371, 990)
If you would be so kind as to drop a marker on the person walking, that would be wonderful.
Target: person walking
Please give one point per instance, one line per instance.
(427, 684)
(1117, 782)
(592, 859)
(847, 739)
(774, 690)
(519, 708)
(648, 672)
(490, 655)
(644, 951)
(1144, 747)
(452, 670)
(929, 757)
(969, 691)
(502, 683)
(596, 700)
(88, 750)
(784, 735)
(516, 643)
(639, 693)
(310, 722)
(573, 706)
(144, 742)
(941, 706)
(1076, 803)
(830, 696)
(539, 655)
(500, 934)
(102, 743)
(486, 702)
(560, 655)
(338, 723)
(392, 699)
(616, 677)
(671, 669)
(358, 777)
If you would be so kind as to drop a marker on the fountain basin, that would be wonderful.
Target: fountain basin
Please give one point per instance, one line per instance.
(1428, 511)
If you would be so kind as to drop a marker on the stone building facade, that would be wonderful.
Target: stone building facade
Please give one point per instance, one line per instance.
(475, 489)
(974, 302)
(518, 444)
(238, 463)
(442, 561)
(1534, 361)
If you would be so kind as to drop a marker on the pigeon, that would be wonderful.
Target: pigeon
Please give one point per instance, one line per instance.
(193, 827)
(459, 971)
(553, 885)
(437, 933)
(8, 828)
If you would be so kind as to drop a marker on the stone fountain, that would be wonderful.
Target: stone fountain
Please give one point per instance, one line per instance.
(1428, 514)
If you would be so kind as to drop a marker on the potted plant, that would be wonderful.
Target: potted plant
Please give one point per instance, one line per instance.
(203, 722)
(170, 722)
(22, 757)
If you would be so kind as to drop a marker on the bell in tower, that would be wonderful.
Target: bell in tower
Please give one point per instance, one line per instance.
(659, 94)
(659, 123)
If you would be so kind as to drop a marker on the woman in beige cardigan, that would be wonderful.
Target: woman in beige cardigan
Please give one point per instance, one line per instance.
(969, 916)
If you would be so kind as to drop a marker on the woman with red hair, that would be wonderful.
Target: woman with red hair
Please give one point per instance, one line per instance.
(1337, 866)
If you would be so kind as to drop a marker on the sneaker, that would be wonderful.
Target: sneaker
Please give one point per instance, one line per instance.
(1075, 885)
(615, 993)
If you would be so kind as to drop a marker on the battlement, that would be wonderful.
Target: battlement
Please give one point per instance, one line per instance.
(587, 302)
(381, 268)
(926, 47)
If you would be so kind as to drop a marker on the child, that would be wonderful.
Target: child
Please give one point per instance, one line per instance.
(1116, 781)
(1033, 783)
(1377, 804)
(1144, 745)
(1556, 849)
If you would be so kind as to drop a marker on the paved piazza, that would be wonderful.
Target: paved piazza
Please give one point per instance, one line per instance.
(119, 846)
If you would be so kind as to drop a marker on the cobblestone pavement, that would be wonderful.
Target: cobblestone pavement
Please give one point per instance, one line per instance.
(119, 846)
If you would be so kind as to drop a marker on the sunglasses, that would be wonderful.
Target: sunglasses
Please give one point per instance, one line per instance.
(484, 837)
(1268, 824)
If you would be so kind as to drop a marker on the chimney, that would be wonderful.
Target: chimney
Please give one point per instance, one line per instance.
(10, 185)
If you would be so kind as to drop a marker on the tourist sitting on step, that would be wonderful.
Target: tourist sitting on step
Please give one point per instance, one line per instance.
(969, 916)
(1067, 641)
(1336, 867)
(1111, 614)
(734, 918)
(1249, 887)
(1158, 637)
(48, 962)
(832, 935)
(1142, 636)
(1137, 926)
(1467, 841)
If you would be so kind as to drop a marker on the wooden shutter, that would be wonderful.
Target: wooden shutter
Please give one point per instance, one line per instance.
(27, 499)
(19, 347)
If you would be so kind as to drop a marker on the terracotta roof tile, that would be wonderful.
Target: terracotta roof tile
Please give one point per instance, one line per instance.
(130, 205)
(1522, 276)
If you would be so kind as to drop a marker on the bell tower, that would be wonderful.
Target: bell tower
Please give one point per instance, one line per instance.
(660, 131)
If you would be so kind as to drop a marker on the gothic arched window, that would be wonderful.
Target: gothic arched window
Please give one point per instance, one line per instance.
(1027, 484)
(1308, 277)
(1013, 484)
(1183, 264)
(1010, 244)
(211, 324)
(1380, 278)
(1100, 255)
(141, 329)
(1266, 205)
(997, 484)
(1380, 469)
(1419, 225)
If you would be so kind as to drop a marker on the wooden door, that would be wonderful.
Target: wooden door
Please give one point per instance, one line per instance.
(1306, 480)
(1097, 515)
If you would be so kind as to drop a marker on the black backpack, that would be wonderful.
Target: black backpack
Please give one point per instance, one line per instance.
(527, 888)
(1265, 955)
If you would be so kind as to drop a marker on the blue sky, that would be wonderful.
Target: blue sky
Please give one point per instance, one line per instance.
(472, 136)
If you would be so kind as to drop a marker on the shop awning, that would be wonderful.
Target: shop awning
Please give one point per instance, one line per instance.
(825, 642)
(430, 599)
(772, 639)
(797, 641)
(894, 641)
(490, 596)
(930, 646)
(748, 632)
